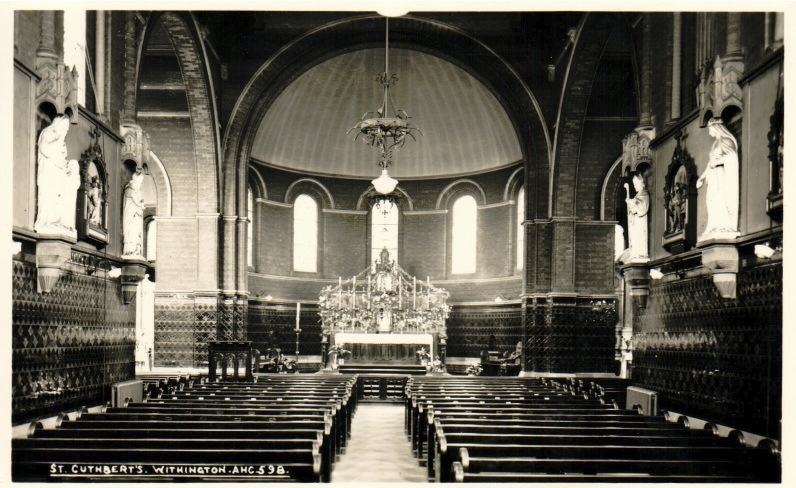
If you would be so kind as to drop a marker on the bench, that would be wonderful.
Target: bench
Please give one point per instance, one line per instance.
(459, 475)
(36, 463)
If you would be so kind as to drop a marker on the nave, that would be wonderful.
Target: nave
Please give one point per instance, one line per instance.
(583, 195)
(311, 428)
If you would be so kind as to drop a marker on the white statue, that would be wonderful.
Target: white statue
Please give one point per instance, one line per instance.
(69, 202)
(55, 179)
(721, 176)
(133, 217)
(619, 241)
(637, 209)
(94, 201)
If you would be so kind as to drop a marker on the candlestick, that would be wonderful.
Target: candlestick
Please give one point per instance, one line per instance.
(414, 292)
(400, 292)
(428, 293)
(298, 315)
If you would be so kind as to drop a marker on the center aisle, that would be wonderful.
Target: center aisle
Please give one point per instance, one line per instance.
(378, 449)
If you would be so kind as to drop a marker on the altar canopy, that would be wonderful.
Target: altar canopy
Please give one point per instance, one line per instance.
(385, 299)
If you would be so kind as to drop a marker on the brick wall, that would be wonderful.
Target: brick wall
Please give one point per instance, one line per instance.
(344, 251)
(496, 240)
(594, 246)
(424, 244)
(69, 346)
(715, 358)
(274, 253)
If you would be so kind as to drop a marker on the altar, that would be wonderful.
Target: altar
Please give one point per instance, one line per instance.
(386, 348)
(384, 315)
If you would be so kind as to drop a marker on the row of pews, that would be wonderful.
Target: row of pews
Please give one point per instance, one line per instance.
(278, 428)
(475, 429)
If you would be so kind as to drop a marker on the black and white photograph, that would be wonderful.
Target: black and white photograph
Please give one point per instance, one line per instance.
(407, 243)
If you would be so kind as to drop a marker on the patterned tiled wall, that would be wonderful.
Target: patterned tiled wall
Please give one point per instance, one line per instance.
(183, 326)
(469, 328)
(275, 326)
(70, 346)
(571, 335)
(715, 357)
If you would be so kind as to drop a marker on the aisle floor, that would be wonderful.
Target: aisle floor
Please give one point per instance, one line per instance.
(378, 449)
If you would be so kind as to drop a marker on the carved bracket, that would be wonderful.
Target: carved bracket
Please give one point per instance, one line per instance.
(636, 148)
(58, 86)
(51, 258)
(133, 271)
(637, 279)
(136, 145)
(718, 87)
(723, 262)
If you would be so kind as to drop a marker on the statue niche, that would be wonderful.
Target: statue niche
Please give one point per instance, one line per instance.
(92, 198)
(680, 200)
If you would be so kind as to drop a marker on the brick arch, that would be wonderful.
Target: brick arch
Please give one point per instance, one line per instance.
(184, 34)
(356, 32)
(257, 184)
(460, 187)
(513, 184)
(313, 186)
(593, 33)
(162, 184)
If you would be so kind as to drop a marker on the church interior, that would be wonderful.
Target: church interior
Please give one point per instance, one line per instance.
(239, 235)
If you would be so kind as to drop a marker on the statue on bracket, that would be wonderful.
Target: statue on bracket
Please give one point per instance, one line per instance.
(637, 209)
(133, 217)
(721, 177)
(58, 180)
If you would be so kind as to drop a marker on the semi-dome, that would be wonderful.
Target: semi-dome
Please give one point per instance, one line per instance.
(465, 129)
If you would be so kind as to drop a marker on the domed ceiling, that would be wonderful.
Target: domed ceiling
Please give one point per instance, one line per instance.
(465, 130)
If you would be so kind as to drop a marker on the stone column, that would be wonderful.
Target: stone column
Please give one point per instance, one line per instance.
(241, 269)
(229, 253)
(733, 33)
(645, 119)
(99, 62)
(47, 31)
(677, 60)
(130, 57)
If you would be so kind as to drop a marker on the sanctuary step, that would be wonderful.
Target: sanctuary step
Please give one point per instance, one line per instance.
(382, 383)
(383, 368)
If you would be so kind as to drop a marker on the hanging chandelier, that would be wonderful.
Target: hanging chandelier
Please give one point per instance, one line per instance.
(385, 132)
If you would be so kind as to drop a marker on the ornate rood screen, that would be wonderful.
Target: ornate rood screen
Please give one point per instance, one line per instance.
(384, 299)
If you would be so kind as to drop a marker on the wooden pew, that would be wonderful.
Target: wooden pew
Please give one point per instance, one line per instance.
(687, 463)
(459, 475)
(37, 463)
(445, 450)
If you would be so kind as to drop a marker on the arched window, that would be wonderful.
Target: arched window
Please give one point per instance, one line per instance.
(250, 228)
(463, 238)
(384, 229)
(75, 47)
(520, 227)
(151, 240)
(305, 234)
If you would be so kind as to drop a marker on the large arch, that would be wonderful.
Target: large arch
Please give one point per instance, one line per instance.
(593, 34)
(431, 36)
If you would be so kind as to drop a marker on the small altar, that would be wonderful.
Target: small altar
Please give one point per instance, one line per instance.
(383, 315)
(386, 348)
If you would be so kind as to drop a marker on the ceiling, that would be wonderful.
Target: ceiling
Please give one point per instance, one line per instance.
(465, 129)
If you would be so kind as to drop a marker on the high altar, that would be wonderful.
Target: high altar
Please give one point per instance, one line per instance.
(384, 315)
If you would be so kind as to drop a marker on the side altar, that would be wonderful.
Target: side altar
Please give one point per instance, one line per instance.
(384, 315)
